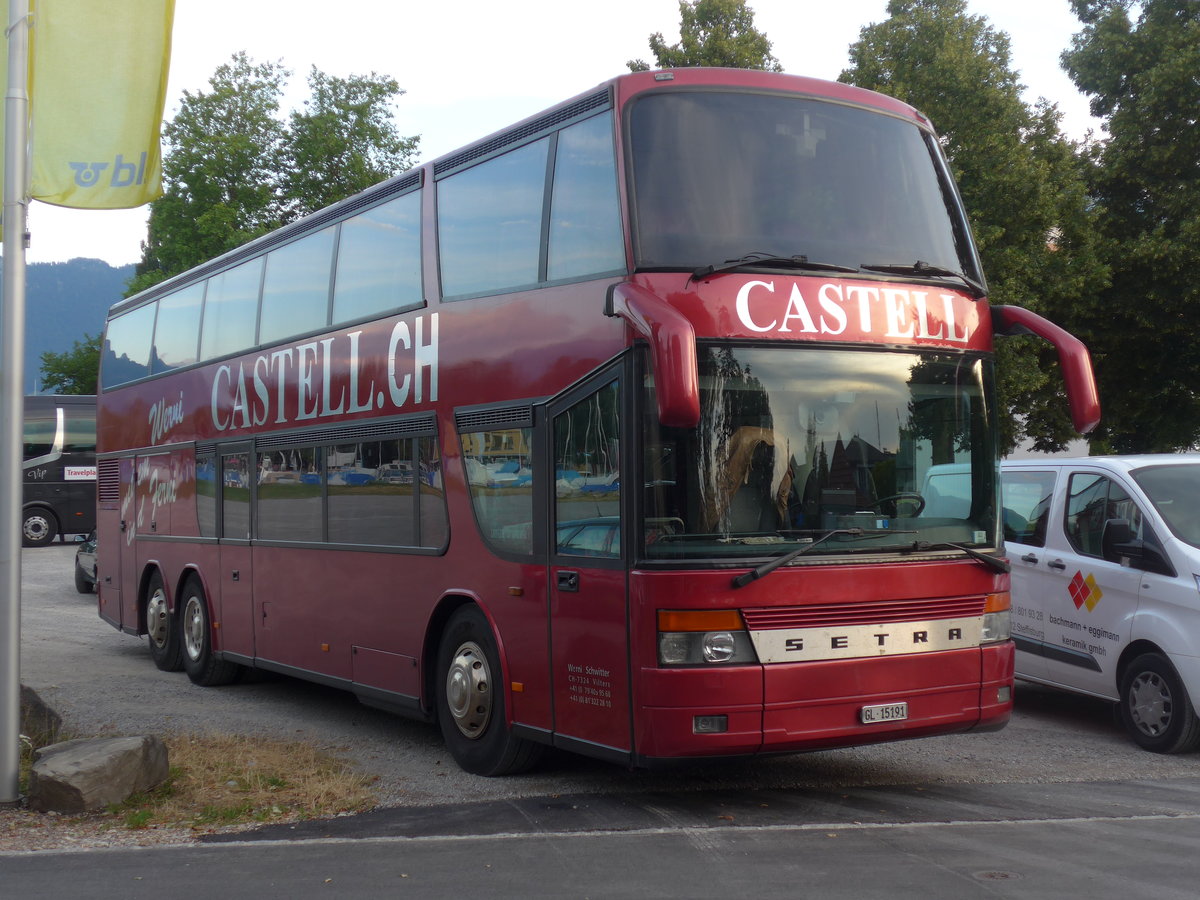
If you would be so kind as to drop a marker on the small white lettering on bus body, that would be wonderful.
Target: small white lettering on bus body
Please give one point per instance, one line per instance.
(895, 313)
(254, 395)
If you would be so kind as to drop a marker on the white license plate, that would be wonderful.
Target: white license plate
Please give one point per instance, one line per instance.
(887, 712)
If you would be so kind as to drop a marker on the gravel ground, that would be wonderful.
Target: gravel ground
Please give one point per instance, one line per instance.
(102, 682)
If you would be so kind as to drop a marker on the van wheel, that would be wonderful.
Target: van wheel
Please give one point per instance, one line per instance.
(1155, 707)
(38, 528)
(162, 627)
(201, 664)
(470, 700)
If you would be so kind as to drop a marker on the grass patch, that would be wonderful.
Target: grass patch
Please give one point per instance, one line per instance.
(217, 781)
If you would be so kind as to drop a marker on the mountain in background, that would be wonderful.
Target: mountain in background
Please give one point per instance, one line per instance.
(64, 302)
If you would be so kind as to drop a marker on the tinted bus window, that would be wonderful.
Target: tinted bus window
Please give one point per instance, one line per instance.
(230, 310)
(40, 431)
(177, 332)
(296, 288)
(585, 224)
(127, 346)
(290, 495)
(490, 223)
(379, 261)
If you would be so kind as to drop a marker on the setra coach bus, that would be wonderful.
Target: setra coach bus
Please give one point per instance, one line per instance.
(608, 432)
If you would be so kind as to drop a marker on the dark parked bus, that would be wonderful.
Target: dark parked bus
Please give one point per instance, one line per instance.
(60, 467)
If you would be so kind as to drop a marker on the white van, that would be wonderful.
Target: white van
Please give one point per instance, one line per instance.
(1105, 553)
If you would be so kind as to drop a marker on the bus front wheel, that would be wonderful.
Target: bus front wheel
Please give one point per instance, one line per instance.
(162, 627)
(202, 665)
(470, 700)
(38, 527)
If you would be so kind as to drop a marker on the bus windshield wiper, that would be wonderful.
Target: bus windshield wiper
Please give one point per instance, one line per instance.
(992, 562)
(769, 260)
(772, 564)
(922, 268)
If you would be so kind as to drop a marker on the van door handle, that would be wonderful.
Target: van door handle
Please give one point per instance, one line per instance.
(1029, 558)
(568, 581)
(1057, 564)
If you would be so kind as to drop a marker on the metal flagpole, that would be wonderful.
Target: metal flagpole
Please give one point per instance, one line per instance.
(12, 358)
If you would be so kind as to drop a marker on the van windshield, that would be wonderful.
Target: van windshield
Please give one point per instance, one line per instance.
(1175, 492)
(888, 448)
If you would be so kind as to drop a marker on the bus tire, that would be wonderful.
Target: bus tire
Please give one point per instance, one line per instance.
(470, 700)
(38, 527)
(1155, 707)
(202, 665)
(162, 627)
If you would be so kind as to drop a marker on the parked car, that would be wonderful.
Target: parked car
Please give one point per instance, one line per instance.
(1105, 556)
(85, 563)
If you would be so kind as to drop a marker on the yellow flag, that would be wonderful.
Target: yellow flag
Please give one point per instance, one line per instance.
(98, 85)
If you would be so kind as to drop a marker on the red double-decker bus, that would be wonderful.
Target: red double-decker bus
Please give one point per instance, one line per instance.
(658, 425)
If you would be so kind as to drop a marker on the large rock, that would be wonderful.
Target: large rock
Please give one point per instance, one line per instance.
(83, 775)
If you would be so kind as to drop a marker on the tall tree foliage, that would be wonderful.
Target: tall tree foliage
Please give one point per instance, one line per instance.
(713, 33)
(1141, 75)
(344, 141)
(75, 371)
(236, 168)
(1021, 183)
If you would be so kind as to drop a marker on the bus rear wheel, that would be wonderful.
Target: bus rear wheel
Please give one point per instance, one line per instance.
(38, 528)
(162, 627)
(202, 665)
(470, 700)
(1155, 707)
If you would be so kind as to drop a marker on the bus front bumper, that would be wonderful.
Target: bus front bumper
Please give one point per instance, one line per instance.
(787, 708)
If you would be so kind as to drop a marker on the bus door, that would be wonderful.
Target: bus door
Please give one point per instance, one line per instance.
(588, 585)
(232, 597)
(116, 534)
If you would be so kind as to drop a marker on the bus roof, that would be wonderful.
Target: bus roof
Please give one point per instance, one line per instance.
(617, 91)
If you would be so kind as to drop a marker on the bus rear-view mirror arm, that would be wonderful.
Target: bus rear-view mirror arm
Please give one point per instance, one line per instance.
(1073, 358)
(672, 351)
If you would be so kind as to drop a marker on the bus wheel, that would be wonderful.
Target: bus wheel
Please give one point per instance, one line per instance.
(199, 661)
(162, 627)
(1155, 707)
(38, 528)
(470, 700)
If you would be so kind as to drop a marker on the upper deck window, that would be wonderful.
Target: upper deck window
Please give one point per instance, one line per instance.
(296, 288)
(718, 175)
(127, 346)
(490, 223)
(177, 331)
(231, 310)
(379, 261)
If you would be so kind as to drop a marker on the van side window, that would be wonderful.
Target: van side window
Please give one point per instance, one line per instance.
(1027, 506)
(1091, 501)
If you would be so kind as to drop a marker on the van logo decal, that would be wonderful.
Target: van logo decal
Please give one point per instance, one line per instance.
(1085, 591)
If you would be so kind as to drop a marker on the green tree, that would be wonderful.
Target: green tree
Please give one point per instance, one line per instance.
(75, 371)
(713, 33)
(234, 168)
(1141, 76)
(344, 141)
(224, 152)
(1021, 181)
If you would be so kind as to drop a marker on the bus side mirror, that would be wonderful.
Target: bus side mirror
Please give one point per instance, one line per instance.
(1073, 359)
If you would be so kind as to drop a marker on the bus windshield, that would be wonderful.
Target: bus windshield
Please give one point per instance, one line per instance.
(892, 450)
(722, 175)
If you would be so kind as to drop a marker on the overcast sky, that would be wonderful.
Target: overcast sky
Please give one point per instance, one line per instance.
(471, 67)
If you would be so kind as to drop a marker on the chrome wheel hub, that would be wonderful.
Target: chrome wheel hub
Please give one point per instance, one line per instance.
(193, 627)
(468, 690)
(158, 622)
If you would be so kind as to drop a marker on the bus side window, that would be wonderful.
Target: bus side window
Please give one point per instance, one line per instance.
(587, 478)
